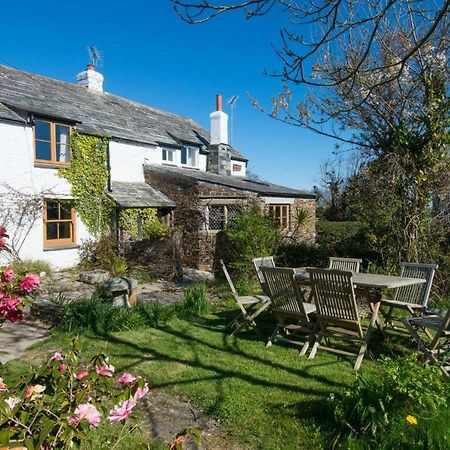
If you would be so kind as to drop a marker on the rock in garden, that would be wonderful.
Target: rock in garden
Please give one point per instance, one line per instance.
(94, 276)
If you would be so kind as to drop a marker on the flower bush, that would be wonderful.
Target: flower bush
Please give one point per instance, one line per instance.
(14, 289)
(57, 404)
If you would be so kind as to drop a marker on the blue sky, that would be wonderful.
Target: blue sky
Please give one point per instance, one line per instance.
(153, 57)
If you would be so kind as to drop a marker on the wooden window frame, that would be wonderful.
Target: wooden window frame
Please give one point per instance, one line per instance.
(52, 162)
(279, 219)
(65, 242)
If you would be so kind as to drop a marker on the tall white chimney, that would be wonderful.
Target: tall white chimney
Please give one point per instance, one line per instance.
(219, 124)
(90, 78)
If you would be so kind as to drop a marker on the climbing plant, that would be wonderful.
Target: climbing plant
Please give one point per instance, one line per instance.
(151, 227)
(88, 175)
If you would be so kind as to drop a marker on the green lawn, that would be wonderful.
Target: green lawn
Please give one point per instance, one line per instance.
(266, 398)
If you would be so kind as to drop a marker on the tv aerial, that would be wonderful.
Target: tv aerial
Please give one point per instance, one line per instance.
(232, 103)
(95, 56)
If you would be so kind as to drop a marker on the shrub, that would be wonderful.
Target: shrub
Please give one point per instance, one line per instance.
(99, 253)
(118, 266)
(57, 404)
(383, 408)
(250, 235)
(100, 316)
(194, 302)
(26, 266)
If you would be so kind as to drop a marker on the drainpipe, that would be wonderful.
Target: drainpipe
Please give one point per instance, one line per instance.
(108, 166)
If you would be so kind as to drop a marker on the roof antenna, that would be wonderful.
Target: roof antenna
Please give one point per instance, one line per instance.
(232, 103)
(95, 56)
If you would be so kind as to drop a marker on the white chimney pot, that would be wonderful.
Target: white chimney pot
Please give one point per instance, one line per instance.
(219, 124)
(90, 78)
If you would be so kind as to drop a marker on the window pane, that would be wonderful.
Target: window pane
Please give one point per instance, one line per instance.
(52, 211)
(52, 231)
(183, 155)
(64, 230)
(62, 134)
(62, 153)
(192, 157)
(42, 130)
(43, 150)
(65, 211)
(170, 155)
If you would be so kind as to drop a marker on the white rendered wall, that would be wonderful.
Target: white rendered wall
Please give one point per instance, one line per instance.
(18, 172)
(238, 168)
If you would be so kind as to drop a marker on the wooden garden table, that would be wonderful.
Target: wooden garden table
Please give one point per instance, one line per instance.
(368, 285)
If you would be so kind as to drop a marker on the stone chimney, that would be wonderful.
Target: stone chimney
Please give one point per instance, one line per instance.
(90, 78)
(219, 124)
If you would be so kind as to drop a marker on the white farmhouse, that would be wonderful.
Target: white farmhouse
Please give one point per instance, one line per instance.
(154, 158)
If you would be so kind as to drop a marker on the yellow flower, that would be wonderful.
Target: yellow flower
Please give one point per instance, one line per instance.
(411, 420)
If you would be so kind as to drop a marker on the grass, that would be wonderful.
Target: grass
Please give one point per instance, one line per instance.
(265, 398)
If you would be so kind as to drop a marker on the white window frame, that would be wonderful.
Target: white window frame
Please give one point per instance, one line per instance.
(167, 152)
(192, 155)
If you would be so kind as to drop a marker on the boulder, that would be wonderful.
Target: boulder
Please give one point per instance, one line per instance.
(94, 276)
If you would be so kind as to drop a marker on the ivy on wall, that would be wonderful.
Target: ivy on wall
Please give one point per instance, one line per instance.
(88, 174)
(147, 218)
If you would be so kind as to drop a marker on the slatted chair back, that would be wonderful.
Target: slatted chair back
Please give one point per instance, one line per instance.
(334, 297)
(351, 264)
(284, 291)
(416, 294)
(265, 261)
(227, 276)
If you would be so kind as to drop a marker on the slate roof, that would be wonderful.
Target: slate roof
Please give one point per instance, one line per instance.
(261, 188)
(138, 195)
(94, 112)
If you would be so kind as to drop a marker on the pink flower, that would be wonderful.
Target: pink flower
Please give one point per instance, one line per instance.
(2, 242)
(12, 402)
(3, 386)
(122, 411)
(29, 284)
(33, 391)
(57, 356)
(2, 231)
(8, 274)
(82, 374)
(85, 411)
(105, 370)
(62, 367)
(126, 378)
(141, 392)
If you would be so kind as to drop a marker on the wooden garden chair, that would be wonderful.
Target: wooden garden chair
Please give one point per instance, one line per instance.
(265, 261)
(292, 312)
(337, 313)
(351, 264)
(413, 298)
(250, 306)
(437, 348)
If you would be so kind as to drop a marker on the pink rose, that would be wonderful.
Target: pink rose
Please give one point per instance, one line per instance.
(122, 411)
(8, 274)
(2, 242)
(126, 378)
(3, 386)
(12, 402)
(57, 356)
(141, 392)
(29, 284)
(33, 391)
(62, 367)
(85, 411)
(82, 374)
(105, 370)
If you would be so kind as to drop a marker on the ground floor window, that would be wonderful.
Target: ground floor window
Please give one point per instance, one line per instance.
(59, 223)
(217, 217)
(280, 214)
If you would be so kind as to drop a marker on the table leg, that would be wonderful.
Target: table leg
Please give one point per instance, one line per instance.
(374, 300)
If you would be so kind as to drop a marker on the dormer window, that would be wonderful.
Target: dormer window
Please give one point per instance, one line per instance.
(168, 155)
(189, 156)
(51, 143)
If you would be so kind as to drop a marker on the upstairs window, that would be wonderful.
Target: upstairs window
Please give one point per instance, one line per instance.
(280, 214)
(168, 155)
(51, 143)
(189, 156)
(59, 223)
